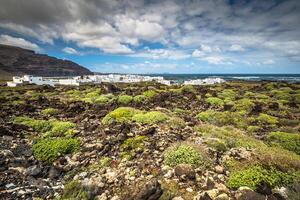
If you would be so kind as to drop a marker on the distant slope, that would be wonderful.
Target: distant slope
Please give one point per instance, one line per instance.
(18, 61)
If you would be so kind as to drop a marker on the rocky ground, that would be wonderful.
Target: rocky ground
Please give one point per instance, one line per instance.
(238, 140)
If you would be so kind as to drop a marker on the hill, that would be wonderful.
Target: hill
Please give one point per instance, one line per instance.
(19, 61)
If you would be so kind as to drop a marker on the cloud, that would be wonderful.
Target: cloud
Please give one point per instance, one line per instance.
(171, 54)
(19, 42)
(214, 31)
(236, 47)
(70, 50)
(268, 62)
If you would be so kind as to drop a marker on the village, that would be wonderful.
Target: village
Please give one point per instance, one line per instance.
(107, 78)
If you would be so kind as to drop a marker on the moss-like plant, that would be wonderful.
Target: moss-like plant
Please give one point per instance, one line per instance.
(60, 128)
(287, 141)
(120, 114)
(125, 99)
(228, 94)
(254, 175)
(53, 128)
(139, 98)
(187, 89)
(151, 117)
(49, 149)
(37, 125)
(134, 143)
(49, 111)
(185, 154)
(74, 190)
(244, 105)
(265, 119)
(215, 101)
(149, 93)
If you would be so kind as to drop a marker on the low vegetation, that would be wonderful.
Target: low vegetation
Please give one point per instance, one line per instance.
(49, 149)
(128, 114)
(185, 154)
(52, 127)
(253, 176)
(289, 141)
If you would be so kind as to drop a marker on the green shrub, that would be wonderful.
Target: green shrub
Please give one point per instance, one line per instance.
(282, 93)
(139, 98)
(36, 125)
(215, 101)
(149, 93)
(120, 114)
(134, 143)
(244, 105)
(265, 119)
(49, 149)
(237, 119)
(101, 100)
(287, 141)
(74, 190)
(254, 175)
(48, 127)
(92, 95)
(187, 89)
(49, 111)
(60, 128)
(124, 99)
(74, 94)
(227, 94)
(151, 117)
(185, 154)
(253, 129)
(176, 122)
(277, 157)
(33, 95)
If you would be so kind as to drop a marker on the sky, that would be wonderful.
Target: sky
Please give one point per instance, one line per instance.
(159, 36)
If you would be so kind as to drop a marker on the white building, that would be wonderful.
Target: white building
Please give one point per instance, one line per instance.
(206, 81)
(28, 79)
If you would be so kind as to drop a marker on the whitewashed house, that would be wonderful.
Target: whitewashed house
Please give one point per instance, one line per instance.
(29, 79)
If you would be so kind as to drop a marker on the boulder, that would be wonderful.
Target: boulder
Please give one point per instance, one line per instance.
(150, 191)
(185, 170)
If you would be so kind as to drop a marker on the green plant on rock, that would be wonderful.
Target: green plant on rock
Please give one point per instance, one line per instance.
(139, 98)
(187, 89)
(134, 143)
(125, 99)
(227, 94)
(49, 149)
(60, 128)
(120, 114)
(254, 175)
(33, 95)
(176, 122)
(52, 128)
(253, 129)
(74, 94)
(282, 93)
(49, 111)
(74, 190)
(237, 119)
(214, 101)
(37, 125)
(151, 117)
(244, 105)
(149, 93)
(265, 119)
(185, 154)
(289, 141)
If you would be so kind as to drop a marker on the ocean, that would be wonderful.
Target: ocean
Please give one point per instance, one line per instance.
(294, 78)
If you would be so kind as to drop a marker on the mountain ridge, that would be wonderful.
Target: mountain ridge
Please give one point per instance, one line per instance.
(19, 61)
